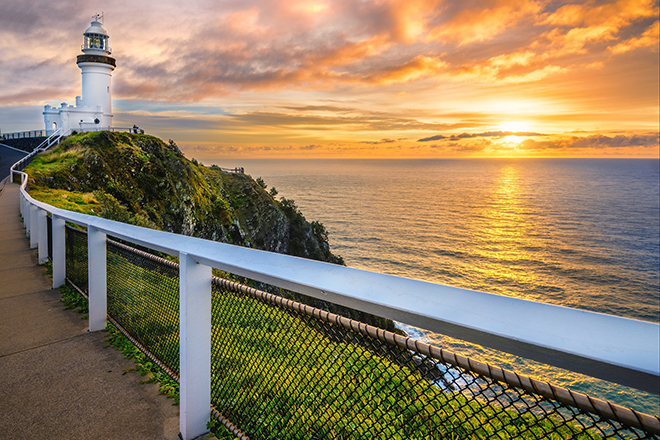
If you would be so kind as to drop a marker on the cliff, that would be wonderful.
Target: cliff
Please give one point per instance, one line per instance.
(139, 179)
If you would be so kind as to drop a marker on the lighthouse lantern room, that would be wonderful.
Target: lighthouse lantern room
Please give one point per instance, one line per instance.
(93, 111)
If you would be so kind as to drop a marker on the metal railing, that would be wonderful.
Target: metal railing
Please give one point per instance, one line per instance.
(24, 134)
(45, 133)
(86, 129)
(237, 170)
(206, 314)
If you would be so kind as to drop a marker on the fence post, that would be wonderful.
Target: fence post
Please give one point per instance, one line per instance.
(34, 227)
(97, 279)
(26, 217)
(59, 252)
(42, 225)
(195, 346)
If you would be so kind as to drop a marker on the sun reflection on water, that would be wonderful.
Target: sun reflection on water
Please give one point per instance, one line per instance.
(506, 232)
(575, 233)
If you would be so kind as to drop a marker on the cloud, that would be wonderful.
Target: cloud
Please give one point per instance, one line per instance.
(419, 67)
(574, 27)
(432, 138)
(598, 142)
(29, 95)
(650, 37)
(182, 55)
(363, 121)
(310, 72)
(382, 141)
(497, 134)
(467, 23)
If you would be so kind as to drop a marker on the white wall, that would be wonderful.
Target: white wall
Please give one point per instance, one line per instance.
(96, 89)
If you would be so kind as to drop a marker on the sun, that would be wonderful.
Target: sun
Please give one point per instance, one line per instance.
(514, 126)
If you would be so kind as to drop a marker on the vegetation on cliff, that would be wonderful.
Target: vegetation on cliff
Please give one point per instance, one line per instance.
(141, 180)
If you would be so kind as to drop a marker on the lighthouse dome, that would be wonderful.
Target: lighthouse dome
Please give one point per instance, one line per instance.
(96, 28)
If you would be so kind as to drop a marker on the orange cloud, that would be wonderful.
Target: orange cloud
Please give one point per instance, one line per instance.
(590, 24)
(597, 142)
(591, 13)
(482, 21)
(522, 58)
(411, 19)
(649, 38)
(494, 74)
(420, 67)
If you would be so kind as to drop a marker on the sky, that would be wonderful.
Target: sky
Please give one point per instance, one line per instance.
(344, 79)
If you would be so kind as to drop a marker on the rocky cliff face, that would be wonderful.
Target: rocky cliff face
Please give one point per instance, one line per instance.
(140, 179)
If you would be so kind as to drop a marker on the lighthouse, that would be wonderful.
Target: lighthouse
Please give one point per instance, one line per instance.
(93, 110)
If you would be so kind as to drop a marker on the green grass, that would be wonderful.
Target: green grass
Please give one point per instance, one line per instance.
(55, 159)
(276, 375)
(84, 203)
(282, 377)
(74, 300)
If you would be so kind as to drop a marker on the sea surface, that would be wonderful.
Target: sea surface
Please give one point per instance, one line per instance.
(582, 233)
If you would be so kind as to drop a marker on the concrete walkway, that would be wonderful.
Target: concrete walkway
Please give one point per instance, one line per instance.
(56, 379)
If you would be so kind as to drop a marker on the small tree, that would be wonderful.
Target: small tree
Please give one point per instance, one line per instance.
(273, 192)
(261, 183)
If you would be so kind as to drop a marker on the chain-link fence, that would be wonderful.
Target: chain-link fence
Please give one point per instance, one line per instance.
(285, 370)
(76, 257)
(143, 297)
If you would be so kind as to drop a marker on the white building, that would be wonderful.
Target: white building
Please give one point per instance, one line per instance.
(93, 111)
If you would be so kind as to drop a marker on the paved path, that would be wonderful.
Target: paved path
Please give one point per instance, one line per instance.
(8, 157)
(56, 379)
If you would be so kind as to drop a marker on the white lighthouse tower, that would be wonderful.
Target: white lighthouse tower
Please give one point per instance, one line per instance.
(94, 110)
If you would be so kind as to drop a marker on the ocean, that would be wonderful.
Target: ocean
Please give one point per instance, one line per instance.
(582, 233)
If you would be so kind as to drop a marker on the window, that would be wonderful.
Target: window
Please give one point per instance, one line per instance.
(95, 41)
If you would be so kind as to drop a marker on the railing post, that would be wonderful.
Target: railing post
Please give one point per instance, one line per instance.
(22, 203)
(26, 217)
(42, 225)
(59, 251)
(34, 227)
(97, 279)
(195, 346)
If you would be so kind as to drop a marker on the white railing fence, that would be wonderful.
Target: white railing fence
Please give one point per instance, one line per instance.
(617, 349)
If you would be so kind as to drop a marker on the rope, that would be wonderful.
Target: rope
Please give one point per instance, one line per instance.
(626, 416)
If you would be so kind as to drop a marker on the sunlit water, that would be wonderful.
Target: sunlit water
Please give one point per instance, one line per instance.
(578, 233)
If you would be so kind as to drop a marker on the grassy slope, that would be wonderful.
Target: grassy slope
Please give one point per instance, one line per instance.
(141, 180)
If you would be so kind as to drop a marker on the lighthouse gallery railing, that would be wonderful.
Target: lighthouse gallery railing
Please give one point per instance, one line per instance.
(376, 384)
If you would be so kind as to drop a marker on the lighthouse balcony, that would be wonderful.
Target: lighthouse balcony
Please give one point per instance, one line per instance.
(103, 59)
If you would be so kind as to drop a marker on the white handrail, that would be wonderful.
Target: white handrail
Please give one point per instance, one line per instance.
(621, 350)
